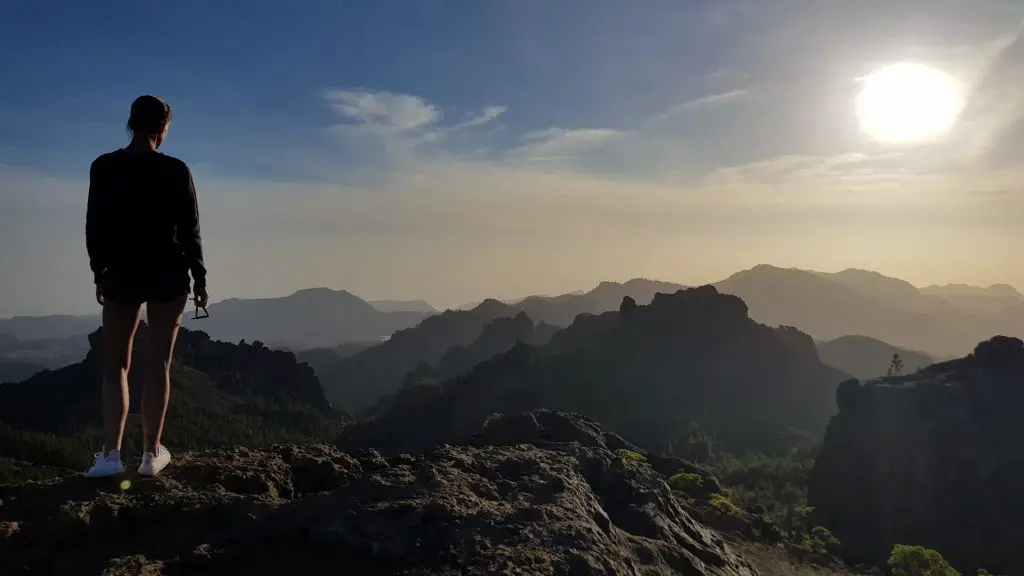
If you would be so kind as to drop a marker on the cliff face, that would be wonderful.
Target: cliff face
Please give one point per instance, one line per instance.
(935, 459)
(647, 372)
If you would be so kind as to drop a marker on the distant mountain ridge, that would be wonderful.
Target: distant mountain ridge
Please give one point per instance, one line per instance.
(940, 320)
(310, 318)
(357, 382)
(421, 306)
(831, 305)
(53, 326)
(865, 358)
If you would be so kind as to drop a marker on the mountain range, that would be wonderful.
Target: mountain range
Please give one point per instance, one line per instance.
(649, 372)
(939, 321)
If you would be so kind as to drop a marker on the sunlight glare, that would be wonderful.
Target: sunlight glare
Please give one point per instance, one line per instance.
(908, 103)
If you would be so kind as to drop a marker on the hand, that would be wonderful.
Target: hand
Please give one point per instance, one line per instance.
(99, 294)
(202, 297)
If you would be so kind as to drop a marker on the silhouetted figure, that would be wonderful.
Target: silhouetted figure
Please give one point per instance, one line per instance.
(142, 235)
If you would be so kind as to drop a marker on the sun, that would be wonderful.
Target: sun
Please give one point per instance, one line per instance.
(908, 103)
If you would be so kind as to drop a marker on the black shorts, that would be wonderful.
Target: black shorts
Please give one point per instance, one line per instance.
(137, 287)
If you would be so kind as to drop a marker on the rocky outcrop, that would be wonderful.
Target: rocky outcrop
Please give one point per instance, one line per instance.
(933, 459)
(496, 337)
(222, 394)
(646, 372)
(229, 373)
(538, 494)
(356, 383)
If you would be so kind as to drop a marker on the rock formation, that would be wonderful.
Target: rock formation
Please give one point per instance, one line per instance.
(540, 494)
(932, 459)
(358, 382)
(646, 372)
(221, 394)
(496, 337)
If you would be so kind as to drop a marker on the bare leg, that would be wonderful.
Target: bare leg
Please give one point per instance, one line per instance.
(120, 321)
(164, 319)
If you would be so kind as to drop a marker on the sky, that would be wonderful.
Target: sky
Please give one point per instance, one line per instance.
(455, 150)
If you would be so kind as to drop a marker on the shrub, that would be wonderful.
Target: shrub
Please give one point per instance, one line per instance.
(630, 455)
(494, 417)
(686, 483)
(918, 561)
(724, 505)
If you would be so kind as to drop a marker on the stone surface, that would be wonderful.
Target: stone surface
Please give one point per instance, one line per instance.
(515, 499)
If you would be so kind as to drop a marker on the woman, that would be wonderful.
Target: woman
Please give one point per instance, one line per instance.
(142, 235)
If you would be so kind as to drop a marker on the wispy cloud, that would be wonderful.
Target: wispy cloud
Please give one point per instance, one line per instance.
(488, 114)
(383, 110)
(715, 99)
(711, 100)
(559, 144)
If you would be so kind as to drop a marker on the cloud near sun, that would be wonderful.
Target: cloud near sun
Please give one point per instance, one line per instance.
(920, 125)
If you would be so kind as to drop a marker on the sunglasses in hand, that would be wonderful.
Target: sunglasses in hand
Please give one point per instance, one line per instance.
(197, 315)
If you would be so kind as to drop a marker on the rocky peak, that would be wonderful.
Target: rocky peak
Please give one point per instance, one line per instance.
(689, 356)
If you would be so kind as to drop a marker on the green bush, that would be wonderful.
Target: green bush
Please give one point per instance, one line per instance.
(686, 483)
(918, 561)
(630, 455)
(725, 505)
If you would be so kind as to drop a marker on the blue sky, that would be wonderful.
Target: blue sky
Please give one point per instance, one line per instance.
(453, 150)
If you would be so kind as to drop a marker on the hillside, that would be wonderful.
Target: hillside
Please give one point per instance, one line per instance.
(863, 357)
(420, 306)
(933, 459)
(222, 394)
(320, 359)
(45, 327)
(647, 372)
(311, 318)
(830, 306)
(606, 296)
(551, 498)
(496, 337)
(17, 371)
(992, 300)
(357, 382)
(20, 358)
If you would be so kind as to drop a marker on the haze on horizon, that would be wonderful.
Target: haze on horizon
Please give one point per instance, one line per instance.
(451, 152)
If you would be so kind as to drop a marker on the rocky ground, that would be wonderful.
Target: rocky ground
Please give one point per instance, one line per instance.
(542, 507)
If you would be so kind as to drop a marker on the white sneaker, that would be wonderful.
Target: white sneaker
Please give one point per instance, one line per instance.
(108, 465)
(152, 464)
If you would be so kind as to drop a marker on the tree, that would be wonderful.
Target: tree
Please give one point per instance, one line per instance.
(896, 366)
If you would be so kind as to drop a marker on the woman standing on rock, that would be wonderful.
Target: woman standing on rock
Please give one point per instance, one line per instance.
(142, 236)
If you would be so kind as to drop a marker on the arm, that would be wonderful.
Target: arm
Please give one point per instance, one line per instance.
(188, 229)
(96, 225)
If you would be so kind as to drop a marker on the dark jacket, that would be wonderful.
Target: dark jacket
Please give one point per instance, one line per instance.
(143, 216)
